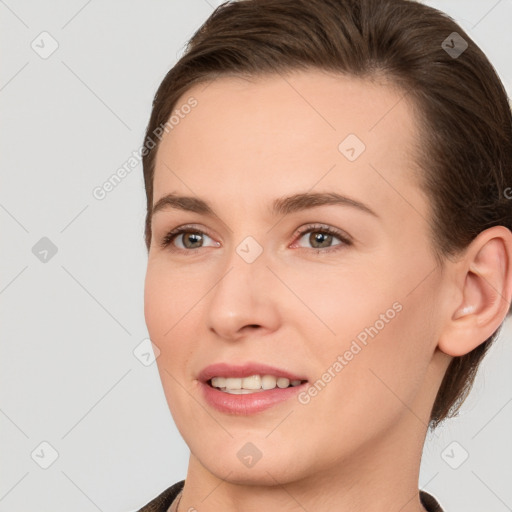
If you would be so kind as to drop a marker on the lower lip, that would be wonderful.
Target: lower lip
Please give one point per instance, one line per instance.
(251, 403)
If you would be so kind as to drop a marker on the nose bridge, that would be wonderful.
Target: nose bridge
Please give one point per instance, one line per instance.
(242, 294)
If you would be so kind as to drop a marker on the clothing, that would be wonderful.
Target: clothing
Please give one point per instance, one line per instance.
(164, 500)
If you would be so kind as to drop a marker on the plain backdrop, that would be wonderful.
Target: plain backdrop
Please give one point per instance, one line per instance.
(83, 417)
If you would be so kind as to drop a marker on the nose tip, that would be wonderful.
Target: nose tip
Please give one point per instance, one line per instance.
(234, 324)
(241, 302)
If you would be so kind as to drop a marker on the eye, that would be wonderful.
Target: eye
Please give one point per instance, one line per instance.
(321, 237)
(190, 238)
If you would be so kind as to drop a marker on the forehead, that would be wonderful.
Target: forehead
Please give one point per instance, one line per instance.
(277, 134)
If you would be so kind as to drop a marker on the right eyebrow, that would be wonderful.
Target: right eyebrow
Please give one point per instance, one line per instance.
(185, 203)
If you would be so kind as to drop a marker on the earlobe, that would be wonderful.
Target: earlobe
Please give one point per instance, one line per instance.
(485, 284)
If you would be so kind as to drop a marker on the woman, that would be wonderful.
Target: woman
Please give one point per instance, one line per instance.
(329, 249)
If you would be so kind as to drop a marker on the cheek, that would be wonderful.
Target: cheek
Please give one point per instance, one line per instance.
(374, 384)
(335, 304)
(163, 307)
(154, 300)
(376, 340)
(171, 301)
(167, 296)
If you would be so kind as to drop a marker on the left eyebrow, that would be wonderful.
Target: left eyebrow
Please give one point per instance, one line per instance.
(280, 206)
(304, 201)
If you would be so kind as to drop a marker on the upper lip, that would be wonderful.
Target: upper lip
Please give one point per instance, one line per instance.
(244, 370)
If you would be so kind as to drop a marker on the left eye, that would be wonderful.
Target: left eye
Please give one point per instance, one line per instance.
(322, 237)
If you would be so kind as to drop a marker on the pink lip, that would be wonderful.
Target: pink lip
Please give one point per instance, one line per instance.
(245, 370)
(247, 404)
(251, 403)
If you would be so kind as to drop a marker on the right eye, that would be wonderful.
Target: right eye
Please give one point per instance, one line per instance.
(189, 237)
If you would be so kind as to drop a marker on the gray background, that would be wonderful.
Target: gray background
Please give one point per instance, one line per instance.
(70, 324)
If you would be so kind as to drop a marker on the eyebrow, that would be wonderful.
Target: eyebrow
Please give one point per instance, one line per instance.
(280, 206)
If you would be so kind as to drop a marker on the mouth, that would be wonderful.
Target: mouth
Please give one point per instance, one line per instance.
(248, 389)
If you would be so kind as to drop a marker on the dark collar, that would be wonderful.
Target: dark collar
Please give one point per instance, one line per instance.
(163, 501)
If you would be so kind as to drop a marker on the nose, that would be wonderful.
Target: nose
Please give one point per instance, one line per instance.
(244, 299)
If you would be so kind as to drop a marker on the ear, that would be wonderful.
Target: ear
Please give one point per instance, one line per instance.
(483, 278)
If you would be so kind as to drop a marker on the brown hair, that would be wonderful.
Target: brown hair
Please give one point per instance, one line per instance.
(466, 121)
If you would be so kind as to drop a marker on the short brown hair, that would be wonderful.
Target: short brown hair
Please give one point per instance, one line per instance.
(462, 106)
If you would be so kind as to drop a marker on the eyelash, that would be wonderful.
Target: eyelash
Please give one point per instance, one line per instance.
(346, 241)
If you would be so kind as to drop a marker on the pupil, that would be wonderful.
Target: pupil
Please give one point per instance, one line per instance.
(192, 235)
(317, 237)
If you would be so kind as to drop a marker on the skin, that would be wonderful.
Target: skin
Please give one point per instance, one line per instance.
(357, 445)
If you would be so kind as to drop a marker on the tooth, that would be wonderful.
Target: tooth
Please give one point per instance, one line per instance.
(252, 382)
(219, 382)
(283, 382)
(233, 383)
(241, 391)
(268, 382)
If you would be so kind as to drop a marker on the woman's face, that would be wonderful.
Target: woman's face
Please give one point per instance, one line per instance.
(356, 311)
